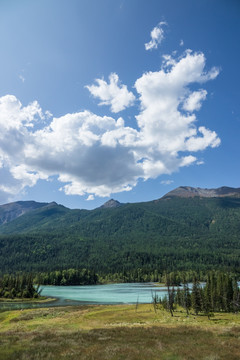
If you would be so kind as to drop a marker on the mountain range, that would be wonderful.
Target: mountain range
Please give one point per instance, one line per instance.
(11, 211)
(186, 228)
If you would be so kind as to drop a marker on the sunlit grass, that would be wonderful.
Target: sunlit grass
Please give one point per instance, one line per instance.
(117, 332)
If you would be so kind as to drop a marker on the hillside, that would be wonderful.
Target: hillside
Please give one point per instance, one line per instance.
(175, 232)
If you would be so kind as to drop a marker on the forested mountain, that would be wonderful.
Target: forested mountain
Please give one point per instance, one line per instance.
(174, 232)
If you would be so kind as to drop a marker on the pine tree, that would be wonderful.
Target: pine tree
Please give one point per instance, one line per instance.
(196, 297)
(207, 306)
(236, 296)
(179, 299)
(187, 303)
(171, 295)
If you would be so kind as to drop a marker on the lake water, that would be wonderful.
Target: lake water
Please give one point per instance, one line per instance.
(105, 294)
(95, 294)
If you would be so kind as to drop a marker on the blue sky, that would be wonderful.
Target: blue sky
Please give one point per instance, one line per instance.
(129, 99)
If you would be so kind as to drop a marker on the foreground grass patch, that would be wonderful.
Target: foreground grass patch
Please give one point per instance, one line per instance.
(117, 332)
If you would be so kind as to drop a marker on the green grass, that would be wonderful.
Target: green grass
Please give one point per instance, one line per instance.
(117, 332)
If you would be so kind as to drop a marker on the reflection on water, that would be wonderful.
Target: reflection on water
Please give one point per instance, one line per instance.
(94, 294)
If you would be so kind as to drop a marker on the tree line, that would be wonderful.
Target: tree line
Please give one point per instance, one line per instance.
(19, 286)
(67, 277)
(219, 294)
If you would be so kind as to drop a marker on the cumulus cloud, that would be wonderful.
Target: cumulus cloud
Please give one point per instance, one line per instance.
(100, 155)
(196, 143)
(14, 116)
(194, 101)
(90, 197)
(114, 94)
(164, 128)
(157, 36)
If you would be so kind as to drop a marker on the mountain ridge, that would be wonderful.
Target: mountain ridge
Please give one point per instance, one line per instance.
(188, 191)
(12, 211)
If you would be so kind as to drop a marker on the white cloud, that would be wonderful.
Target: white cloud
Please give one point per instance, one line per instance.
(164, 128)
(194, 101)
(14, 116)
(167, 182)
(22, 78)
(187, 160)
(157, 36)
(90, 197)
(100, 155)
(208, 138)
(114, 94)
(181, 42)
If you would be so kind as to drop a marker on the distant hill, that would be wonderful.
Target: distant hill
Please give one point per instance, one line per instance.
(179, 231)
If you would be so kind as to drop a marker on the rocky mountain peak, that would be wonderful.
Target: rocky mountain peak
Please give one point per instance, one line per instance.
(111, 204)
(11, 211)
(188, 191)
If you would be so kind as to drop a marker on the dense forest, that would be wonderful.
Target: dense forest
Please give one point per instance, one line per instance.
(67, 277)
(20, 286)
(130, 241)
(87, 277)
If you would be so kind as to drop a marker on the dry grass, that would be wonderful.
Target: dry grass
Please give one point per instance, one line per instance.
(117, 332)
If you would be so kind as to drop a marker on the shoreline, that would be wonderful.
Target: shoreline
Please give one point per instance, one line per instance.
(27, 301)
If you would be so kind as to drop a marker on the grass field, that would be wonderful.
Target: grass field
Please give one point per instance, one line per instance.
(117, 332)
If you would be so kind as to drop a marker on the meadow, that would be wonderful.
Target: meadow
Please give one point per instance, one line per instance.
(134, 332)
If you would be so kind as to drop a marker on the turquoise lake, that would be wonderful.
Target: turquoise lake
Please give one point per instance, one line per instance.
(105, 294)
(95, 294)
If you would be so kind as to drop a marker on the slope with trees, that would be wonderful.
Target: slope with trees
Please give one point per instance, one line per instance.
(173, 233)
